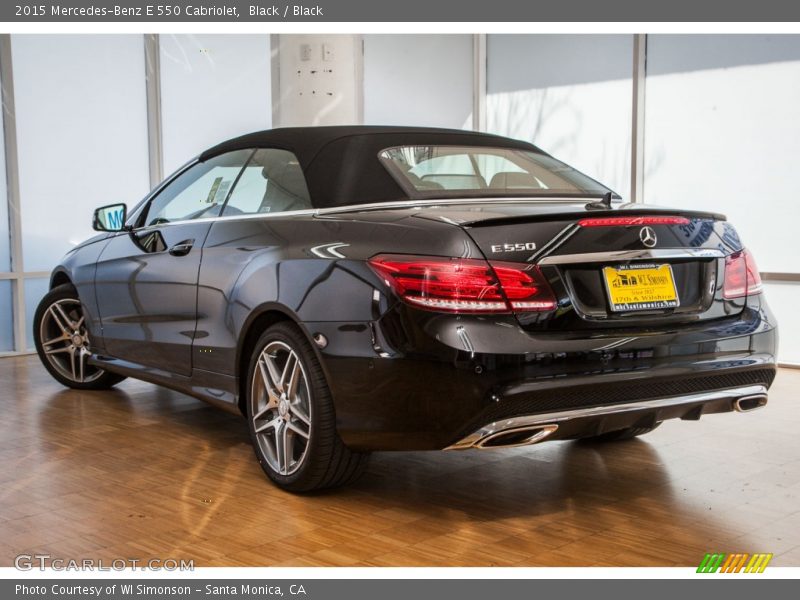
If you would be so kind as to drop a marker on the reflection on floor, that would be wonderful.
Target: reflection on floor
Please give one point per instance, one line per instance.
(145, 473)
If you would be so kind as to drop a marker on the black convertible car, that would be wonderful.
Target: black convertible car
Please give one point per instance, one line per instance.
(352, 289)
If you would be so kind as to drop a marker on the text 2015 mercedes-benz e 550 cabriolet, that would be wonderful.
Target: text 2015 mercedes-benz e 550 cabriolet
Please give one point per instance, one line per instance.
(351, 289)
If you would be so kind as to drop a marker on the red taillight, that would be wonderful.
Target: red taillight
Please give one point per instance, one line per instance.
(741, 276)
(524, 286)
(631, 221)
(464, 285)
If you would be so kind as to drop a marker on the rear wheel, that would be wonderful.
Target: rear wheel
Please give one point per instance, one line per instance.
(621, 434)
(62, 342)
(291, 418)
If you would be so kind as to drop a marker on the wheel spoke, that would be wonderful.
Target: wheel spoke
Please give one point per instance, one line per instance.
(72, 364)
(57, 350)
(57, 320)
(65, 316)
(82, 355)
(272, 395)
(61, 338)
(297, 429)
(280, 447)
(294, 380)
(274, 376)
(271, 424)
(288, 371)
(260, 414)
(300, 413)
(286, 439)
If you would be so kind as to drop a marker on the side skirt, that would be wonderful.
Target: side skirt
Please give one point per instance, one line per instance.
(216, 389)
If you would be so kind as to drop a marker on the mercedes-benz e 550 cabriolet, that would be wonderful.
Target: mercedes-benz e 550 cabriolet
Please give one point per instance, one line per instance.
(351, 289)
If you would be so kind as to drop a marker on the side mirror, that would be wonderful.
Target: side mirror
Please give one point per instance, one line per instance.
(110, 218)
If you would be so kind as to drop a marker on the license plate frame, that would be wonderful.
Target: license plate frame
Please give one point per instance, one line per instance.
(652, 296)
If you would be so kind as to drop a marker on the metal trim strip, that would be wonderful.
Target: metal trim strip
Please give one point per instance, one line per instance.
(492, 429)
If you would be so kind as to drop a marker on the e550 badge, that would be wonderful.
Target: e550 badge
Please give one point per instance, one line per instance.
(514, 247)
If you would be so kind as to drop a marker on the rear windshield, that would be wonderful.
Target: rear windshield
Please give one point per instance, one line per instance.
(446, 171)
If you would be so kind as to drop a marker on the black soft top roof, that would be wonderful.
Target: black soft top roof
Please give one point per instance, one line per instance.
(341, 163)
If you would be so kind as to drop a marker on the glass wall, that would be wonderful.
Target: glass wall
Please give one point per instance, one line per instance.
(418, 80)
(90, 91)
(570, 95)
(721, 128)
(6, 318)
(722, 134)
(6, 286)
(213, 87)
(5, 238)
(82, 135)
(35, 289)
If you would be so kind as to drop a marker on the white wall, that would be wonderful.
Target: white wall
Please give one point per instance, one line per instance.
(213, 87)
(568, 94)
(784, 298)
(6, 316)
(5, 241)
(423, 80)
(722, 133)
(81, 135)
(319, 80)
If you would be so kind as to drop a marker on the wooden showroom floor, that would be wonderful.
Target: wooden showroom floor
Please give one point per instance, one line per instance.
(146, 473)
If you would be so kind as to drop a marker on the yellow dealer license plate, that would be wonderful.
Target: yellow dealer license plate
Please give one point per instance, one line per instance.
(640, 287)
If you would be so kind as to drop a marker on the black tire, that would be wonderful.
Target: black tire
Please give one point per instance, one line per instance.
(58, 351)
(324, 461)
(621, 434)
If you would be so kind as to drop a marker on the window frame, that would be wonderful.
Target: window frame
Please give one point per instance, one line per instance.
(137, 221)
(137, 216)
(259, 214)
(414, 194)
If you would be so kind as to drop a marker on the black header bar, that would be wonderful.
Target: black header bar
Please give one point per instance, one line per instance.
(440, 11)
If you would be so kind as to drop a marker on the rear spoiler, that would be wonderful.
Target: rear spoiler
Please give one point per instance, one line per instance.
(593, 213)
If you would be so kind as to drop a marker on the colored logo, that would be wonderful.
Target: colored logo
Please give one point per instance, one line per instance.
(734, 563)
(115, 219)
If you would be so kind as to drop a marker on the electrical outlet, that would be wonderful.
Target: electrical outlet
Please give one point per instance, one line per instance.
(305, 52)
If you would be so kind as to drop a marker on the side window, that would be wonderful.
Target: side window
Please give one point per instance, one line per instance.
(198, 192)
(272, 181)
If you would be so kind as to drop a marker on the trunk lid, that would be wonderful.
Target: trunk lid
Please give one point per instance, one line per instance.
(581, 260)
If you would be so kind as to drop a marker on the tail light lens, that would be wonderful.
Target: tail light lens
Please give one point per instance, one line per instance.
(464, 285)
(525, 287)
(632, 220)
(741, 276)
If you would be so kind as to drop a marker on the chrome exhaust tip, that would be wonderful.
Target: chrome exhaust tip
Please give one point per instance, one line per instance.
(750, 403)
(519, 436)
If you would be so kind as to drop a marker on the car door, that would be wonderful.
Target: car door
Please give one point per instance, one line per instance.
(271, 184)
(146, 278)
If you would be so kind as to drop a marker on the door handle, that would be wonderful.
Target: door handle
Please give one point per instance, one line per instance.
(182, 248)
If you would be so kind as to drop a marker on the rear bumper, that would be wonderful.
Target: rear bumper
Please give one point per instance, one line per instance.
(580, 422)
(418, 381)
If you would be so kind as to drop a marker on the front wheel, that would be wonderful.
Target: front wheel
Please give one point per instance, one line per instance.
(291, 418)
(62, 342)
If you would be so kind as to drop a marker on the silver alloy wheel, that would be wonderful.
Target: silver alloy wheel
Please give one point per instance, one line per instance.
(65, 341)
(280, 402)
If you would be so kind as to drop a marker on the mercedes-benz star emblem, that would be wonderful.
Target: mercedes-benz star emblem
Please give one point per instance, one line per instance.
(648, 237)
